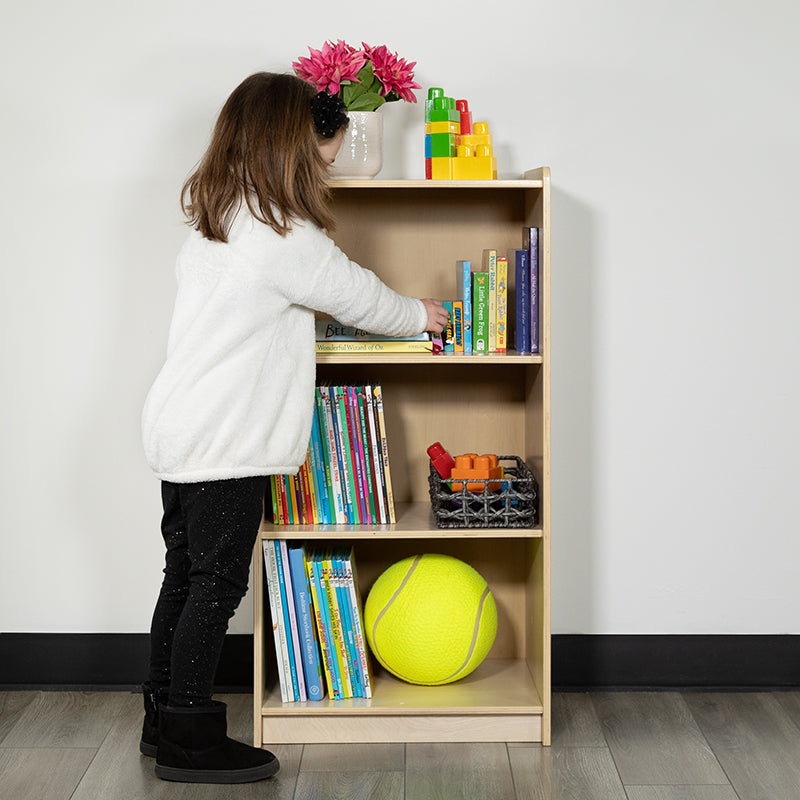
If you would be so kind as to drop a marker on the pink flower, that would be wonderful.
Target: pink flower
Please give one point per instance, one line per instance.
(395, 74)
(328, 67)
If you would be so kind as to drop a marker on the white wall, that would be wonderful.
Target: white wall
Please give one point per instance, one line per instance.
(671, 129)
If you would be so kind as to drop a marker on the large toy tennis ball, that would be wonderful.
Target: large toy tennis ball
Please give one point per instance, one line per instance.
(430, 619)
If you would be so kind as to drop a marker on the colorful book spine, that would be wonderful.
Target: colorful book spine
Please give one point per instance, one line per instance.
(458, 326)
(325, 630)
(276, 612)
(464, 294)
(375, 459)
(480, 312)
(286, 620)
(449, 330)
(335, 621)
(358, 628)
(522, 300)
(357, 453)
(342, 451)
(490, 268)
(369, 478)
(332, 459)
(296, 653)
(377, 392)
(309, 644)
(531, 242)
(501, 332)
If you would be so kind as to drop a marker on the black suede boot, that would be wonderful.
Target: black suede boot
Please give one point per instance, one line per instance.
(152, 699)
(193, 747)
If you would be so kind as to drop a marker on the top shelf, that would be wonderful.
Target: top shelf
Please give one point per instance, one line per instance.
(426, 184)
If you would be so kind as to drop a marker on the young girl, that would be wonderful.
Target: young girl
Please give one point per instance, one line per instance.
(233, 402)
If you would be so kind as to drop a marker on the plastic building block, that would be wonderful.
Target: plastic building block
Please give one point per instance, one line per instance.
(472, 466)
(442, 127)
(440, 145)
(441, 460)
(462, 107)
(441, 168)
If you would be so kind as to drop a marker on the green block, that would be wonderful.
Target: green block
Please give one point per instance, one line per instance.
(443, 115)
(440, 145)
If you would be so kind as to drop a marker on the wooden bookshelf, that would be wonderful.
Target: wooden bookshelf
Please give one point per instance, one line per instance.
(412, 233)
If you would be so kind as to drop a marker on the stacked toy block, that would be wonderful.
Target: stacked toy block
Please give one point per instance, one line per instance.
(455, 148)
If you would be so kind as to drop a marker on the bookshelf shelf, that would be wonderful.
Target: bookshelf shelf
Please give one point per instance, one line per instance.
(412, 233)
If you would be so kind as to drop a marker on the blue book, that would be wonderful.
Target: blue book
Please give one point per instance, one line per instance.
(520, 260)
(530, 241)
(464, 294)
(318, 463)
(286, 621)
(344, 472)
(309, 646)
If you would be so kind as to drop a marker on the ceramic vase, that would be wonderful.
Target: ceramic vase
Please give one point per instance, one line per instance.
(361, 154)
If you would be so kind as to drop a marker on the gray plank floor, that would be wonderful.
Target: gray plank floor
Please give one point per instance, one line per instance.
(606, 746)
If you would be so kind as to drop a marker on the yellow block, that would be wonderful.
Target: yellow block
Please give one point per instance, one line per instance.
(442, 169)
(474, 168)
(442, 127)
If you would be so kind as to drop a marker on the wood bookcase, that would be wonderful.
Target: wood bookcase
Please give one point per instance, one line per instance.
(412, 233)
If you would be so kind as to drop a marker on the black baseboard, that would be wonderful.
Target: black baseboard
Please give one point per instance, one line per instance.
(682, 661)
(104, 661)
(119, 660)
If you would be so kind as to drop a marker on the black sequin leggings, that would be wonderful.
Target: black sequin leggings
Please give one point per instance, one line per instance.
(209, 530)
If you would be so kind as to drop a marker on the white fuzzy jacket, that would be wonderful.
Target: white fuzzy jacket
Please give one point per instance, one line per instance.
(235, 396)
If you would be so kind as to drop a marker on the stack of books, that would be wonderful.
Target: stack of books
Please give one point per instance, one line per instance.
(317, 622)
(333, 337)
(480, 316)
(345, 478)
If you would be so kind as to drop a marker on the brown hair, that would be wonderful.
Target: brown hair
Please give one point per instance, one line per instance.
(264, 151)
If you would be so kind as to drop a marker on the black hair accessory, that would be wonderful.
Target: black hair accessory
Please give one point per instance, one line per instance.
(328, 112)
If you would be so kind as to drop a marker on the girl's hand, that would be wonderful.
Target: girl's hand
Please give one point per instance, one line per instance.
(437, 315)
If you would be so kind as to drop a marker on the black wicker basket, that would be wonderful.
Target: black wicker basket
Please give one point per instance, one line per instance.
(514, 506)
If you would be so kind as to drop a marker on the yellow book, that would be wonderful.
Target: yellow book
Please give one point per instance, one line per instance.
(502, 305)
(323, 634)
(399, 346)
(336, 625)
(490, 267)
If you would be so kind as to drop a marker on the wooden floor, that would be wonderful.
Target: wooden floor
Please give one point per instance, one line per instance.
(606, 746)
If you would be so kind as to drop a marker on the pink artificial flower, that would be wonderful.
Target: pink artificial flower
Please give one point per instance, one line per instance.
(394, 73)
(328, 67)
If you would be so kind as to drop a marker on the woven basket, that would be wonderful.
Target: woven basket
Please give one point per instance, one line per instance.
(514, 506)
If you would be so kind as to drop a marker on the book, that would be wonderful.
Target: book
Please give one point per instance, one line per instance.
(522, 300)
(464, 294)
(375, 452)
(396, 346)
(332, 460)
(324, 628)
(329, 330)
(377, 393)
(358, 628)
(339, 417)
(278, 629)
(501, 331)
(335, 623)
(448, 333)
(309, 642)
(480, 312)
(531, 242)
(287, 595)
(489, 266)
(366, 454)
(356, 453)
(458, 326)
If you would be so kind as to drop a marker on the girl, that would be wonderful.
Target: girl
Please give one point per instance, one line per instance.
(233, 402)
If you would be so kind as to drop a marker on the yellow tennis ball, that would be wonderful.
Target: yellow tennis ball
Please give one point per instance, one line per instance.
(430, 619)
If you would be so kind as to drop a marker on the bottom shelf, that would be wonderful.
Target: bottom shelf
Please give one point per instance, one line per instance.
(497, 702)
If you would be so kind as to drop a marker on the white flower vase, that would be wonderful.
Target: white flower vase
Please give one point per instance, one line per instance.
(361, 154)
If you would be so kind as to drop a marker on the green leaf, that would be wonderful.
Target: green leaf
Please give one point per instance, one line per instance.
(366, 102)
